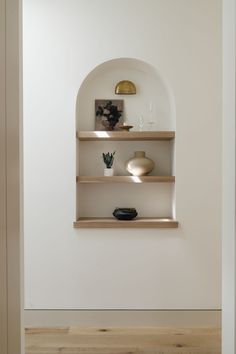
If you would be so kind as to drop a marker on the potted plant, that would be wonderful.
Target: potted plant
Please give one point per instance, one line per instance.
(108, 159)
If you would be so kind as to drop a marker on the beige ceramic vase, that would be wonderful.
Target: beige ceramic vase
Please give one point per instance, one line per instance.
(139, 165)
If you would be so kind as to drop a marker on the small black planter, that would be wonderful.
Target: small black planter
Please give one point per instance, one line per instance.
(125, 213)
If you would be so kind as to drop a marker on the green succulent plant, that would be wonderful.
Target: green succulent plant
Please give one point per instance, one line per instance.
(108, 159)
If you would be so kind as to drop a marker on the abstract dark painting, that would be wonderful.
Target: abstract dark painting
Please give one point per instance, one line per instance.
(108, 114)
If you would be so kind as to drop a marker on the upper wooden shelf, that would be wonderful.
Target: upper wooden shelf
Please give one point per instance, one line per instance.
(125, 179)
(128, 136)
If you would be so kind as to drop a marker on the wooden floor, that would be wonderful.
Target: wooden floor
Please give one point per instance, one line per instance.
(155, 340)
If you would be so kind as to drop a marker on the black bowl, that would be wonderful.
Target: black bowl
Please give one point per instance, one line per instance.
(125, 213)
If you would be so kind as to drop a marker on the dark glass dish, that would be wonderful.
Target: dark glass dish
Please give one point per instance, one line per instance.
(125, 213)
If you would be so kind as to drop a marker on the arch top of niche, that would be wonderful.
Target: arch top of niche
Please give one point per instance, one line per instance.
(154, 100)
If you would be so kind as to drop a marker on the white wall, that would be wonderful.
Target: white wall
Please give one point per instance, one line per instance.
(67, 268)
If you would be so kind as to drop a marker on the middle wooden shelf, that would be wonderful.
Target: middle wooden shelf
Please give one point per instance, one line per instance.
(125, 179)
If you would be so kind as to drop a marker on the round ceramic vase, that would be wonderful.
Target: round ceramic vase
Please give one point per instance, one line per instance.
(139, 165)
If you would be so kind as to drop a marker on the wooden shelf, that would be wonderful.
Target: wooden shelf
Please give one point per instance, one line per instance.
(125, 179)
(130, 224)
(125, 136)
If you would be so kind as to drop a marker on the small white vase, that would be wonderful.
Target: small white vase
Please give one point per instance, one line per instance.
(108, 172)
(139, 165)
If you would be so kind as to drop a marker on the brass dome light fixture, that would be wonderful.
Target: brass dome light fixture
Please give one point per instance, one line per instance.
(125, 87)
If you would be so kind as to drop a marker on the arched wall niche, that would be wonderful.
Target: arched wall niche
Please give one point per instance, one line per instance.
(152, 89)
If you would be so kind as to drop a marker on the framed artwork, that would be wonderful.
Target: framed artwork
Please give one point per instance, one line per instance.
(108, 114)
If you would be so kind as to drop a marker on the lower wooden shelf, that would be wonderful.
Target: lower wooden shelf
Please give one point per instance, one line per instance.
(129, 224)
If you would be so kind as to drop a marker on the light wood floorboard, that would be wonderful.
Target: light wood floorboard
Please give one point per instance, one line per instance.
(154, 340)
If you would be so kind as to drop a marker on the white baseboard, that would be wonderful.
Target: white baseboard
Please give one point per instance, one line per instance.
(120, 318)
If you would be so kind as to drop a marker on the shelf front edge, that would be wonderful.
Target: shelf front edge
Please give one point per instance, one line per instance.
(128, 136)
(125, 179)
(143, 223)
